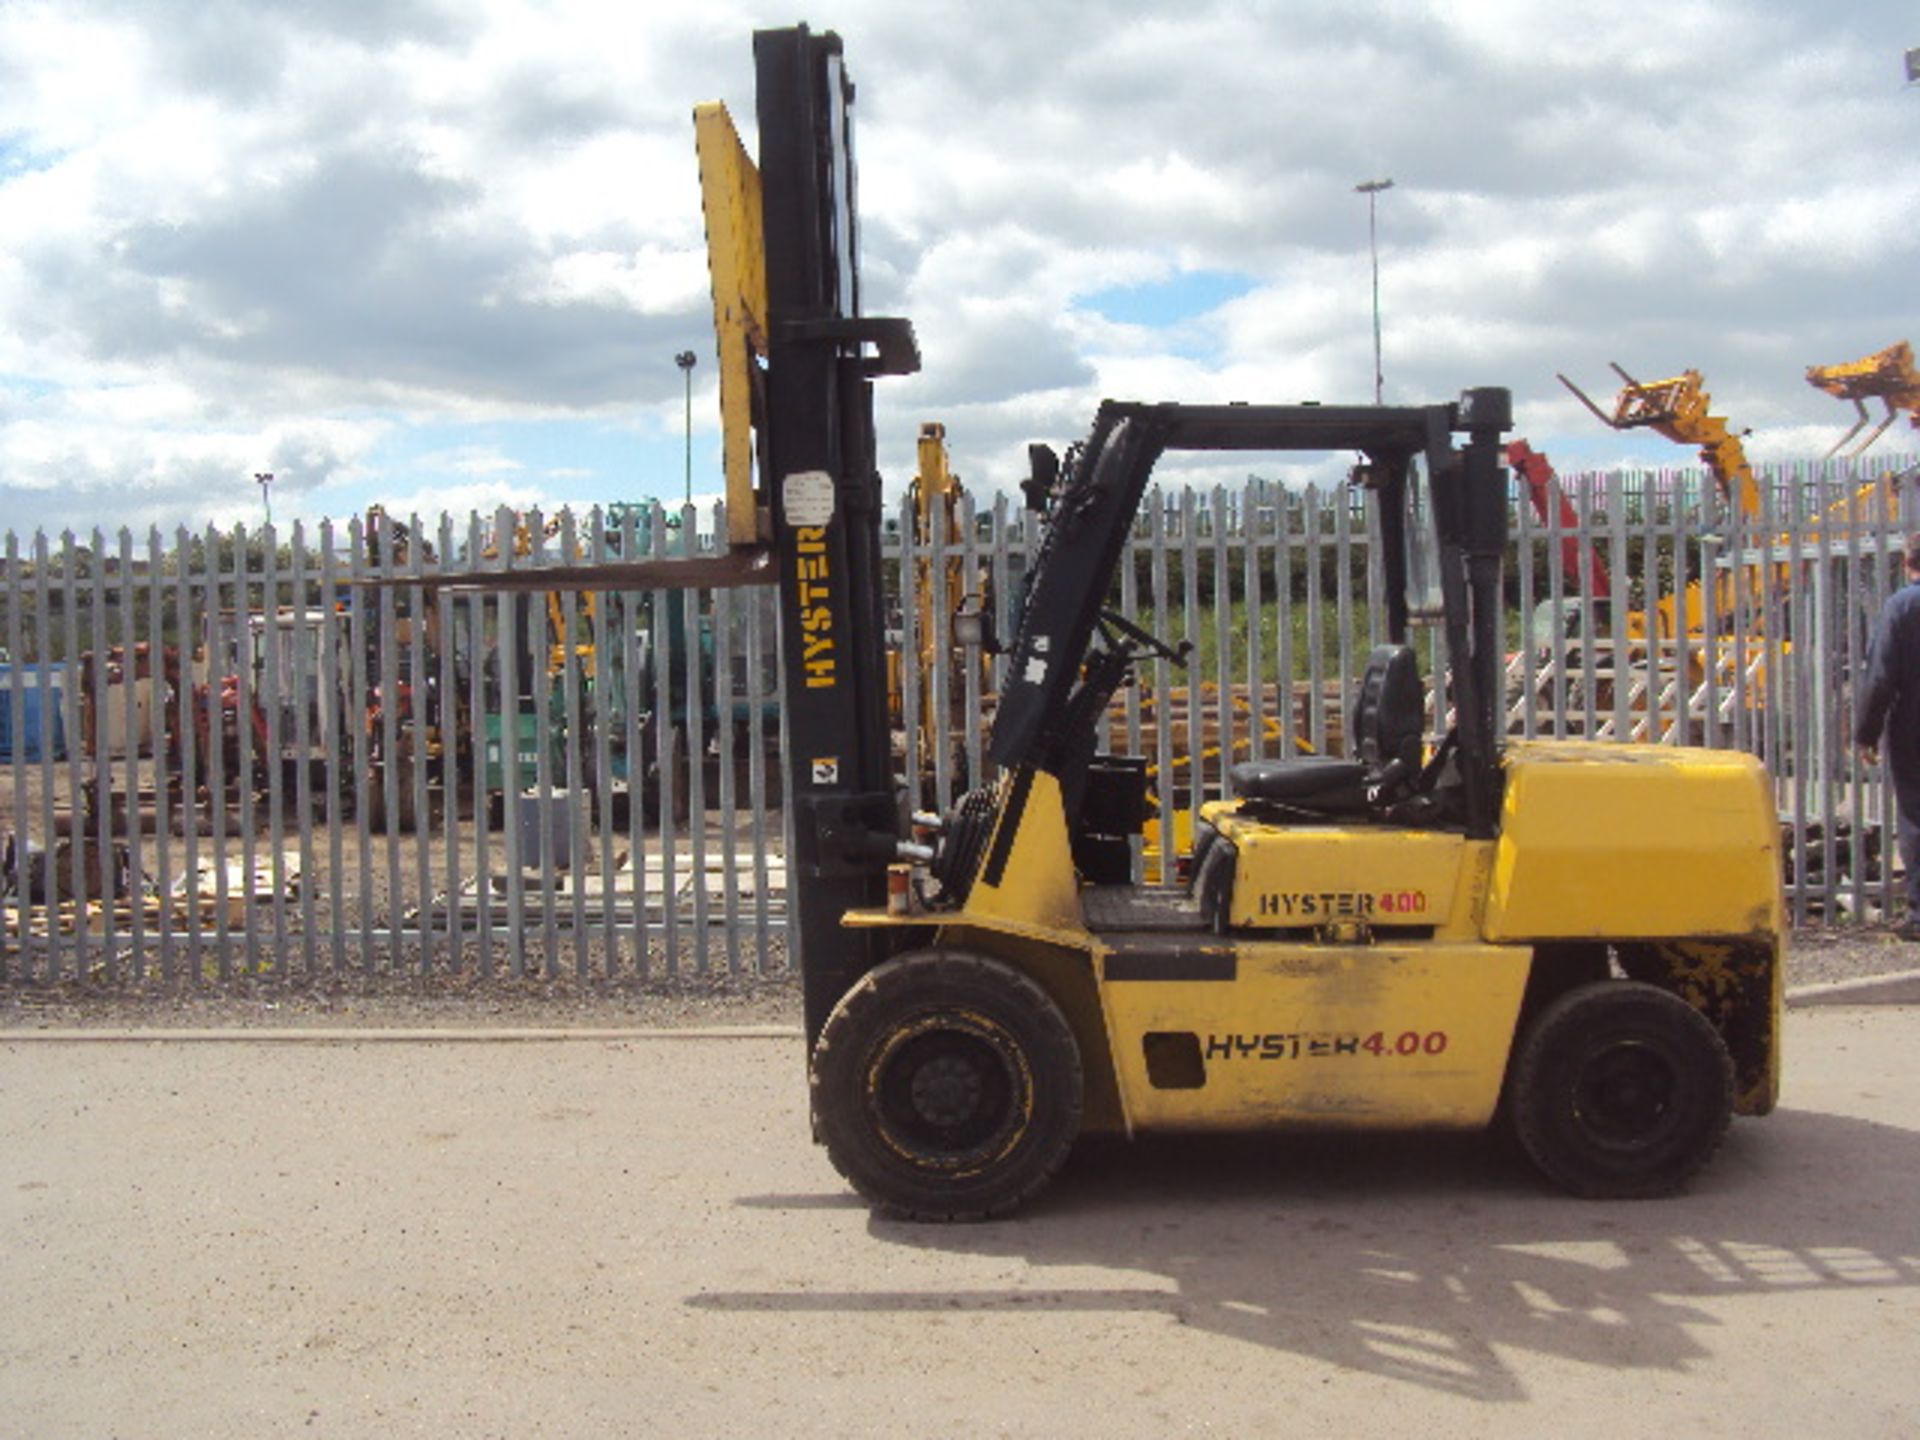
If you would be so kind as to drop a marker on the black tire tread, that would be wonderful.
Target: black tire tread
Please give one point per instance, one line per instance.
(863, 1009)
(1534, 1121)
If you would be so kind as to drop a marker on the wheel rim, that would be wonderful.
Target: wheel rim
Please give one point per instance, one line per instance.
(1626, 1095)
(951, 1093)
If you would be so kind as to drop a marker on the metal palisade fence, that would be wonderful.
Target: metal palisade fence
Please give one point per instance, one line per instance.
(264, 752)
(245, 753)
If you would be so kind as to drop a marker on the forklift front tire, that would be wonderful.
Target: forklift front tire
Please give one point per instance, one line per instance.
(947, 1086)
(1621, 1091)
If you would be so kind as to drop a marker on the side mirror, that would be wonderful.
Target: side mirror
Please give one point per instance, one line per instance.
(1367, 475)
(1426, 601)
(1044, 468)
(973, 628)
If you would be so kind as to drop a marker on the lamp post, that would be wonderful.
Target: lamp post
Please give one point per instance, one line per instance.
(1371, 189)
(686, 360)
(264, 478)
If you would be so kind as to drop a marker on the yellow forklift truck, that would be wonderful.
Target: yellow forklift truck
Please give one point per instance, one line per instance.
(1586, 937)
(1399, 940)
(1415, 937)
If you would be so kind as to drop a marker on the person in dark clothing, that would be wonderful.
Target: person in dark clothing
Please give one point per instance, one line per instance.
(1887, 716)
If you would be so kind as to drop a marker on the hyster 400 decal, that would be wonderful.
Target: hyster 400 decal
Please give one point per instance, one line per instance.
(1316, 905)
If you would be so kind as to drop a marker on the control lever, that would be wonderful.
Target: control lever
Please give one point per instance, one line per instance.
(1391, 774)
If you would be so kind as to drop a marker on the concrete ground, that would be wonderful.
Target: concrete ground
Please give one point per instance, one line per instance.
(376, 1235)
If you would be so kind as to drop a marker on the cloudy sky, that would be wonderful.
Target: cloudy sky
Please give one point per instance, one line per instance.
(442, 255)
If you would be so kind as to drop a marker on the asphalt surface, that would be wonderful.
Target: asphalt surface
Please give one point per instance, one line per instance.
(384, 1235)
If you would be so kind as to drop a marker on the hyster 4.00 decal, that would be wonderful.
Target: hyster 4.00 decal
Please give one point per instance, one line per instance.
(1290, 1046)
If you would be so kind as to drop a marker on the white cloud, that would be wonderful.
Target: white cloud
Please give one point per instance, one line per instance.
(653, 281)
(478, 460)
(226, 228)
(83, 469)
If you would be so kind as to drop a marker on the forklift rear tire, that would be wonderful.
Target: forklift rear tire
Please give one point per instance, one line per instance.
(947, 1086)
(1621, 1091)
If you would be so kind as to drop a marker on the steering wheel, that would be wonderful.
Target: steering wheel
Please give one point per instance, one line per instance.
(1144, 643)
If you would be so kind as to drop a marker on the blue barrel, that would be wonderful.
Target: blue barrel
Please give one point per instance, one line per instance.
(37, 729)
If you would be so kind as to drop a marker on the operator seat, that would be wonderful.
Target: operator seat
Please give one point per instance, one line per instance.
(1384, 731)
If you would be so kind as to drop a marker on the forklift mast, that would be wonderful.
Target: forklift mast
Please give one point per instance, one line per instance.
(817, 462)
(797, 365)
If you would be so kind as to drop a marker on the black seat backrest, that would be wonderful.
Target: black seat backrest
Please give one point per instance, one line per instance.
(1385, 735)
(1389, 710)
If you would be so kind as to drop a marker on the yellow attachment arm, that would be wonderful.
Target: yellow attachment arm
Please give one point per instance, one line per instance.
(1886, 375)
(737, 267)
(1677, 408)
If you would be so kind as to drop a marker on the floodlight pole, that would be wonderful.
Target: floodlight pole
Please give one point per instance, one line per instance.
(264, 478)
(1371, 189)
(686, 360)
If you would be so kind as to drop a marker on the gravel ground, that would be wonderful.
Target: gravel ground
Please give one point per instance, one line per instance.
(243, 1242)
(410, 1002)
(1820, 957)
(407, 1002)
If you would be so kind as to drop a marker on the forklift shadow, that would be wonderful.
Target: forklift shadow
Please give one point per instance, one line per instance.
(1425, 1259)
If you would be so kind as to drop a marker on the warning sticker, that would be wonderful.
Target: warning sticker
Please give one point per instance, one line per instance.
(827, 771)
(806, 499)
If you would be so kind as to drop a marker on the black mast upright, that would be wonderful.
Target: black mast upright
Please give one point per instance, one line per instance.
(817, 459)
